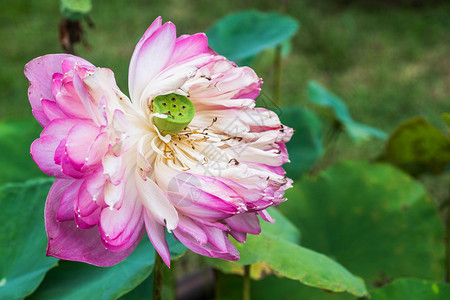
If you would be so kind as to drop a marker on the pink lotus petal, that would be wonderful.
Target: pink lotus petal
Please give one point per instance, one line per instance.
(239, 236)
(68, 169)
(69, 102)
(84, 97)
(39, 72)
(96, 151)
(43, 152)
(51, 110)
(152, 56)
(216, 237)
(64, 237)
(60, 127)
(157, 236)
(84, 204)
(247, 223)
(133, 63)
(79, 140)
(208, 250)
(89, 221)
(95, 185)
(121, 227)
(65, 208)
(187, 225)
(189, 46)
(265, 216)
(195, 209)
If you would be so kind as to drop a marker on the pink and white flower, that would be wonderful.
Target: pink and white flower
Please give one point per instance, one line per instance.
(119, 176)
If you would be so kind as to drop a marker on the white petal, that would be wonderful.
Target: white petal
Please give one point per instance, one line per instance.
(154, 199)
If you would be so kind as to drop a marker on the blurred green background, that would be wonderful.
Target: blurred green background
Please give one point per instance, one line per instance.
(388, 62)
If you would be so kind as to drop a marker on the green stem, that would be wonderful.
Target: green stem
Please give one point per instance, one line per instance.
(277, 76)
(247, 281)
(217, 290)
(158, 278)
(447, 246)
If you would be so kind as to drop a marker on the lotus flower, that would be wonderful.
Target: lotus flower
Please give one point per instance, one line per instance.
(187, 153)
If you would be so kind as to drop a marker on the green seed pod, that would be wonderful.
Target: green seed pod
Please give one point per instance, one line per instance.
(75, 10)
(178, 109)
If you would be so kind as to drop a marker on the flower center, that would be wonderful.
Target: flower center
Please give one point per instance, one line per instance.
(172, 113)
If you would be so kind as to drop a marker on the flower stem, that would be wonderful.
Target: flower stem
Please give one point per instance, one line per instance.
(447, 246)
(158, 278)
(246, 286)
(277, 76)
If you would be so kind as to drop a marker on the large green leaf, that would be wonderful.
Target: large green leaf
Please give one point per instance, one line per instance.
(143, 291)
(417, 147)
(16, 163)
(245, 34)
(446, 118)
(305, 147)
(272, 287)
(373, 219)
(283, 228)
(22, 239)
(408, 289)
(357, 131)
(271, 252)
(74, 280)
